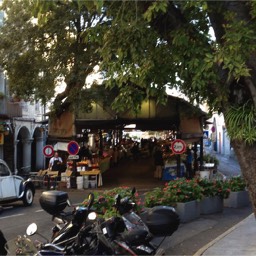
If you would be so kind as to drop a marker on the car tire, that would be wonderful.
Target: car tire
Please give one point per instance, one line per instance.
(28, 197)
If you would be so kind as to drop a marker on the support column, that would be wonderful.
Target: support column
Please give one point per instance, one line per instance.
(15, 143)
(39, 153)
(1, 152)
(26, 161)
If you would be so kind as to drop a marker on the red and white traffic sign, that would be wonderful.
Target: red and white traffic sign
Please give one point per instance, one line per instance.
(73, 147)
(48, 151)
(178, 146)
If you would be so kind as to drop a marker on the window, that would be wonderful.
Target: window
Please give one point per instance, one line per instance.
(4, 170)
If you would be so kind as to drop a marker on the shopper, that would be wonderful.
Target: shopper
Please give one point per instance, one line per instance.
(189, 163)
(135, 151)
(159, 162)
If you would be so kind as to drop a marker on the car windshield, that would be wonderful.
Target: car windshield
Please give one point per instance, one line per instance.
(4, 170)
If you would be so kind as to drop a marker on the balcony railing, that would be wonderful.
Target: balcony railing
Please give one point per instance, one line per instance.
(20, 109)
(11, 109)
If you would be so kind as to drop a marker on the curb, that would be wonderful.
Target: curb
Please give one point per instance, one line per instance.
(213, 242)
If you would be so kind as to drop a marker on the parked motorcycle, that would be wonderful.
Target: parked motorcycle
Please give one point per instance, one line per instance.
(127, 233)
(80, 233)
(64, 233)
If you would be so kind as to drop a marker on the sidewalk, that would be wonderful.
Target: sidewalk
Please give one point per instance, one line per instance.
(190, 238)
(239, 240)
(228, 165)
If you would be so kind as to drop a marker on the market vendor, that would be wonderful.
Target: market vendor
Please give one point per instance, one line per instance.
(55, 162)
(85, 152)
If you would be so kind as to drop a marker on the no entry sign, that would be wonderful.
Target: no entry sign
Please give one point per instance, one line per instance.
(48, 151)
(73, 147)
(178, 146)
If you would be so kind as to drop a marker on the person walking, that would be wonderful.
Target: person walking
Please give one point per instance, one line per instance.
(159, 162)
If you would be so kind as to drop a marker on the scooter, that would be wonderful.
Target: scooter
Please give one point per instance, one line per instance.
(82, 233)
(65, 232)
(130, 234)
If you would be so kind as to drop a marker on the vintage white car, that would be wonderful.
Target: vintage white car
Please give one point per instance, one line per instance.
(14, 188)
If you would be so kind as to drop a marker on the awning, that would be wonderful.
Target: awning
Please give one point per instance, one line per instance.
(61, 146)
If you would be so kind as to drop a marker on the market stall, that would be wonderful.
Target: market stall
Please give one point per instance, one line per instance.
(170, 171)
(87, 174)
(172, 159)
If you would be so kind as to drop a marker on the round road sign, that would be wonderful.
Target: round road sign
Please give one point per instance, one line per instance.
(48, 151)
(178, 146)
(73, 147)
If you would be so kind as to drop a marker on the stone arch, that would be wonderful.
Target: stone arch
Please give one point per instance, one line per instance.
(23, 150)
(37, 157)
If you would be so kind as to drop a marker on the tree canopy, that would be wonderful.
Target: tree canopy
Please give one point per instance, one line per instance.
(204, 48)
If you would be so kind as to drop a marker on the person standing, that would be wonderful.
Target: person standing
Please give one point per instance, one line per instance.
(159, 162)
(55, 162)
(85, 152)
(135, 151)
(189, 163)
(55, 165)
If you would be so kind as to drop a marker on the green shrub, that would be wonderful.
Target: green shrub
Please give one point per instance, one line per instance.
(236, 183)
(214, 188)
(106, 205)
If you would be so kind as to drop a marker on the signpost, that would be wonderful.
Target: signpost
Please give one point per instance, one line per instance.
(73, 157)
(73, 147)
(48, 151)
(178, 146)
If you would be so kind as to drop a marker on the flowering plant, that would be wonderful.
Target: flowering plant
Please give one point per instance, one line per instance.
(103, 202)
(236, 183)
(154, 197)
(183, 190)
(179, 190)
(214, 188)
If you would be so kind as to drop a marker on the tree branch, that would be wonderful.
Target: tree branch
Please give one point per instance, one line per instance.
(251, 87)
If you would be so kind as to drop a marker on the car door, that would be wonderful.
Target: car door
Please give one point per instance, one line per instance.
(7, 185)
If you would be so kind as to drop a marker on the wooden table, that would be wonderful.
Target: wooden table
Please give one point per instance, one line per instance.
(93, 172)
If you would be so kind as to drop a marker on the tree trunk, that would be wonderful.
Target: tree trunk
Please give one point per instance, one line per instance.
(246, 158)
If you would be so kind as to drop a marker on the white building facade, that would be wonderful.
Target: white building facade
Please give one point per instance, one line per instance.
(218, 136)
(22, 131)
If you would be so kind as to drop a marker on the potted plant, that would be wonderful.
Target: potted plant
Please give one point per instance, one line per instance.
(214, 193)
(208, 158)
(210, 163)
(156, 197)
(181, 193)
(239, 196)
(107, 200)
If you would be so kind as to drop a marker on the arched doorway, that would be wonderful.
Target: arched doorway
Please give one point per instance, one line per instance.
(37, 158)
(23, 153)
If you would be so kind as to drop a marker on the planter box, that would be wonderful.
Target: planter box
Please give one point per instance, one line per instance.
(237, 199)
(205, 174)
(188, 211)
(210, 205)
